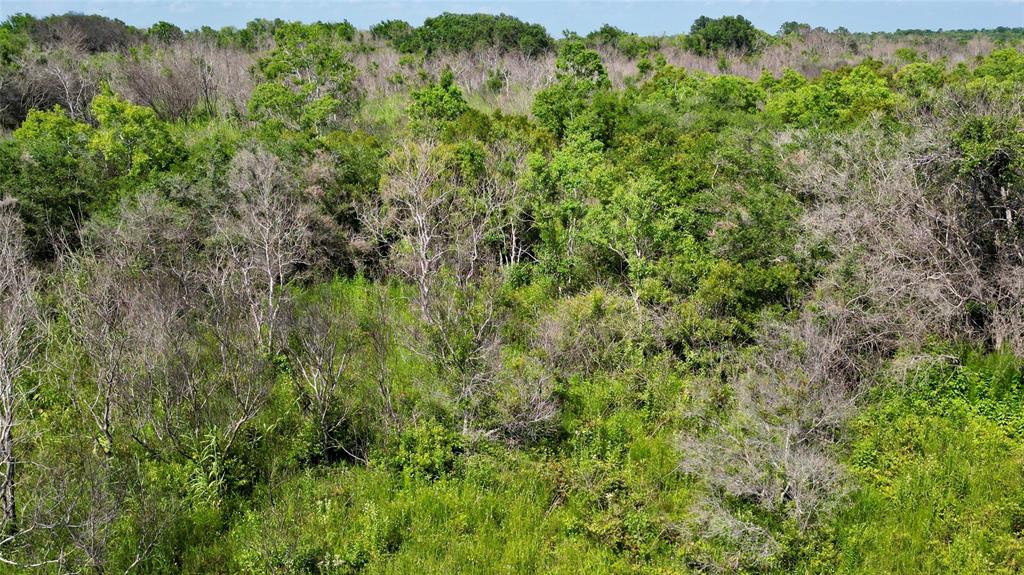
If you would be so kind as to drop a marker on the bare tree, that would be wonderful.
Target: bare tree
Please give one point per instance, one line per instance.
(191, 75)
(771, 445)
(430, 217)
(526, 405)
(60, 75)
(937, 236)
(18, 341)
(413, 211)
(127, 294)
(261, 241)
(928, 242)
(446, 230)
(326, 343)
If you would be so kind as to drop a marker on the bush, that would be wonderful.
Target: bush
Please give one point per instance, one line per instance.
(49, 168)
(395, 31)
(836, 99)
(165, 32)
(427, 451)
(464, 32)
(133, 141)
(581, 75)
(438, 102)
(919, 78)
(629, 44)
(728, 33)
(940, 460)
(309, 81)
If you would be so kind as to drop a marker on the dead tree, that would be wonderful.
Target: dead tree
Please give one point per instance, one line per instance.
(413, 213)
(261, 242)
(18, 341)
(446, 230)
(61, 76)
(325, 345)
(127, 293)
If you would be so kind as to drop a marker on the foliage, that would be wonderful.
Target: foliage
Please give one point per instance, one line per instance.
(48, 168)
(731, 33)
(440, 102)
(94, 33)
(165, 32)
(464, 32)
(132, 140)
(581, 76)
(631, 45)
(425, 451)
(308, 79)
(837, 98)
(461, 305)
(940, 465)
(394, 31)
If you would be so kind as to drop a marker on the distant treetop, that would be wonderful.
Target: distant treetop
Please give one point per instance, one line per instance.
(464, 32)
(728, 33)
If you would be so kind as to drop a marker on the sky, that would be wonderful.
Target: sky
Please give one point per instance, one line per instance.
(649, 17)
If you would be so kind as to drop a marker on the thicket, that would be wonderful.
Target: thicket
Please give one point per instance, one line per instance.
(275, 321)
(733, 33)
(466, 32)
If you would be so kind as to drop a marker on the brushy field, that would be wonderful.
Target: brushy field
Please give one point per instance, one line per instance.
(465, 298)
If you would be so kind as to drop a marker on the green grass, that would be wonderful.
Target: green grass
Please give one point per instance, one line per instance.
(500, 516)
(941, 469)
(383, 115)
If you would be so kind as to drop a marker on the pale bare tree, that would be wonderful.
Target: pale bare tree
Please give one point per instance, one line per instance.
(127, 293)
(193, 74)
(261, 241)
(427, 218)
(326, 344)
(938, 247)
(413, 212)
(59, 75)
(447, 232)
(380, 333)
(19, 339)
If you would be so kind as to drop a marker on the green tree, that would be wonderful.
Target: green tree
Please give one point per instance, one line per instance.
(464, 32)
(840, 98)
(308, 79)
(793, 27)
(438, 102)
(132, 139)
(165, 32)
(581, 75)
(728, 33)
(49, 169)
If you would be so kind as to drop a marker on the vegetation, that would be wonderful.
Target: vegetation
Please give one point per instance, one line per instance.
(459, 298)
(464, 32)
(734, 33)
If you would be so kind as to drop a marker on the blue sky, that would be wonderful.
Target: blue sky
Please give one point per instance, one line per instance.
(642, 16)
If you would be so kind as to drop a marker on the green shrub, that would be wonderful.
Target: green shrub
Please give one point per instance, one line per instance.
(464, 32)
(941, 469)
(439, 102)
(308, 78)
(918, 78)
(427, 450)
(49, 167)
(728, 33)
(836, 99)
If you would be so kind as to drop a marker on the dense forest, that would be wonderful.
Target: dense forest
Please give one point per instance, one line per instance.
(468, 298)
